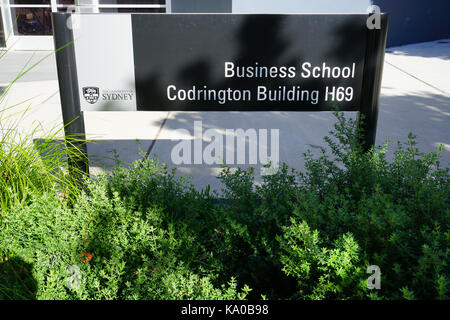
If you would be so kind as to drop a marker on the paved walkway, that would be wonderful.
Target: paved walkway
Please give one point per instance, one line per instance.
(415, 98)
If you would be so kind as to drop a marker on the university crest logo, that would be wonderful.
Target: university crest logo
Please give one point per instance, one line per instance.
(91, 94)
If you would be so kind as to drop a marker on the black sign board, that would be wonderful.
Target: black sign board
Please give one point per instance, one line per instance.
(249, 62)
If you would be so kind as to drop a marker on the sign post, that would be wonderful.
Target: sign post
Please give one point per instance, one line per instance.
(219, 62)
(373, 73)
(70, 102)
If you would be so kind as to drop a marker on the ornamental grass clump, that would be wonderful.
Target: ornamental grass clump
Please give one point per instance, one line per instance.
(31, 161)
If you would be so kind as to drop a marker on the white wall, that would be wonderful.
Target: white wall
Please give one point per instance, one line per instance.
(6, 15)
(300, 6)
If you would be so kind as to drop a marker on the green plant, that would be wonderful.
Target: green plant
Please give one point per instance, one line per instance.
(143, 233)
(29, 165)
(133, 255)
(322, 272)
(397, 211)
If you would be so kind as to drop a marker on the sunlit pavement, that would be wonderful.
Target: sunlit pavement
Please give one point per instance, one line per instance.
(415, 98)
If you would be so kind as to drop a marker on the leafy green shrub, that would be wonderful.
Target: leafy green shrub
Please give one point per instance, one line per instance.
(322, 272)
(133, 256)
(250, 221)
(398, 211)
(44, 235)
(142, 233)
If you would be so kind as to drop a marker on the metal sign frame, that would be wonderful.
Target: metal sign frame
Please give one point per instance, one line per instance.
(73, 116)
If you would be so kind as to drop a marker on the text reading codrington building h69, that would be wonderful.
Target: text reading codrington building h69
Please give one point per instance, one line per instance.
(289, 93)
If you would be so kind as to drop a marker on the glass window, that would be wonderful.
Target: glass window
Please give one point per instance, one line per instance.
(32, 21)
(2, 32)
(138, 2)
(29, 2)
(134, 10)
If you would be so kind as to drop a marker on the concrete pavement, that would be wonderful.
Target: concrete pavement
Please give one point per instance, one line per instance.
(415, 98)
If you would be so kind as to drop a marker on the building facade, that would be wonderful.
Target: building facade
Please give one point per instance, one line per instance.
(26, 24)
